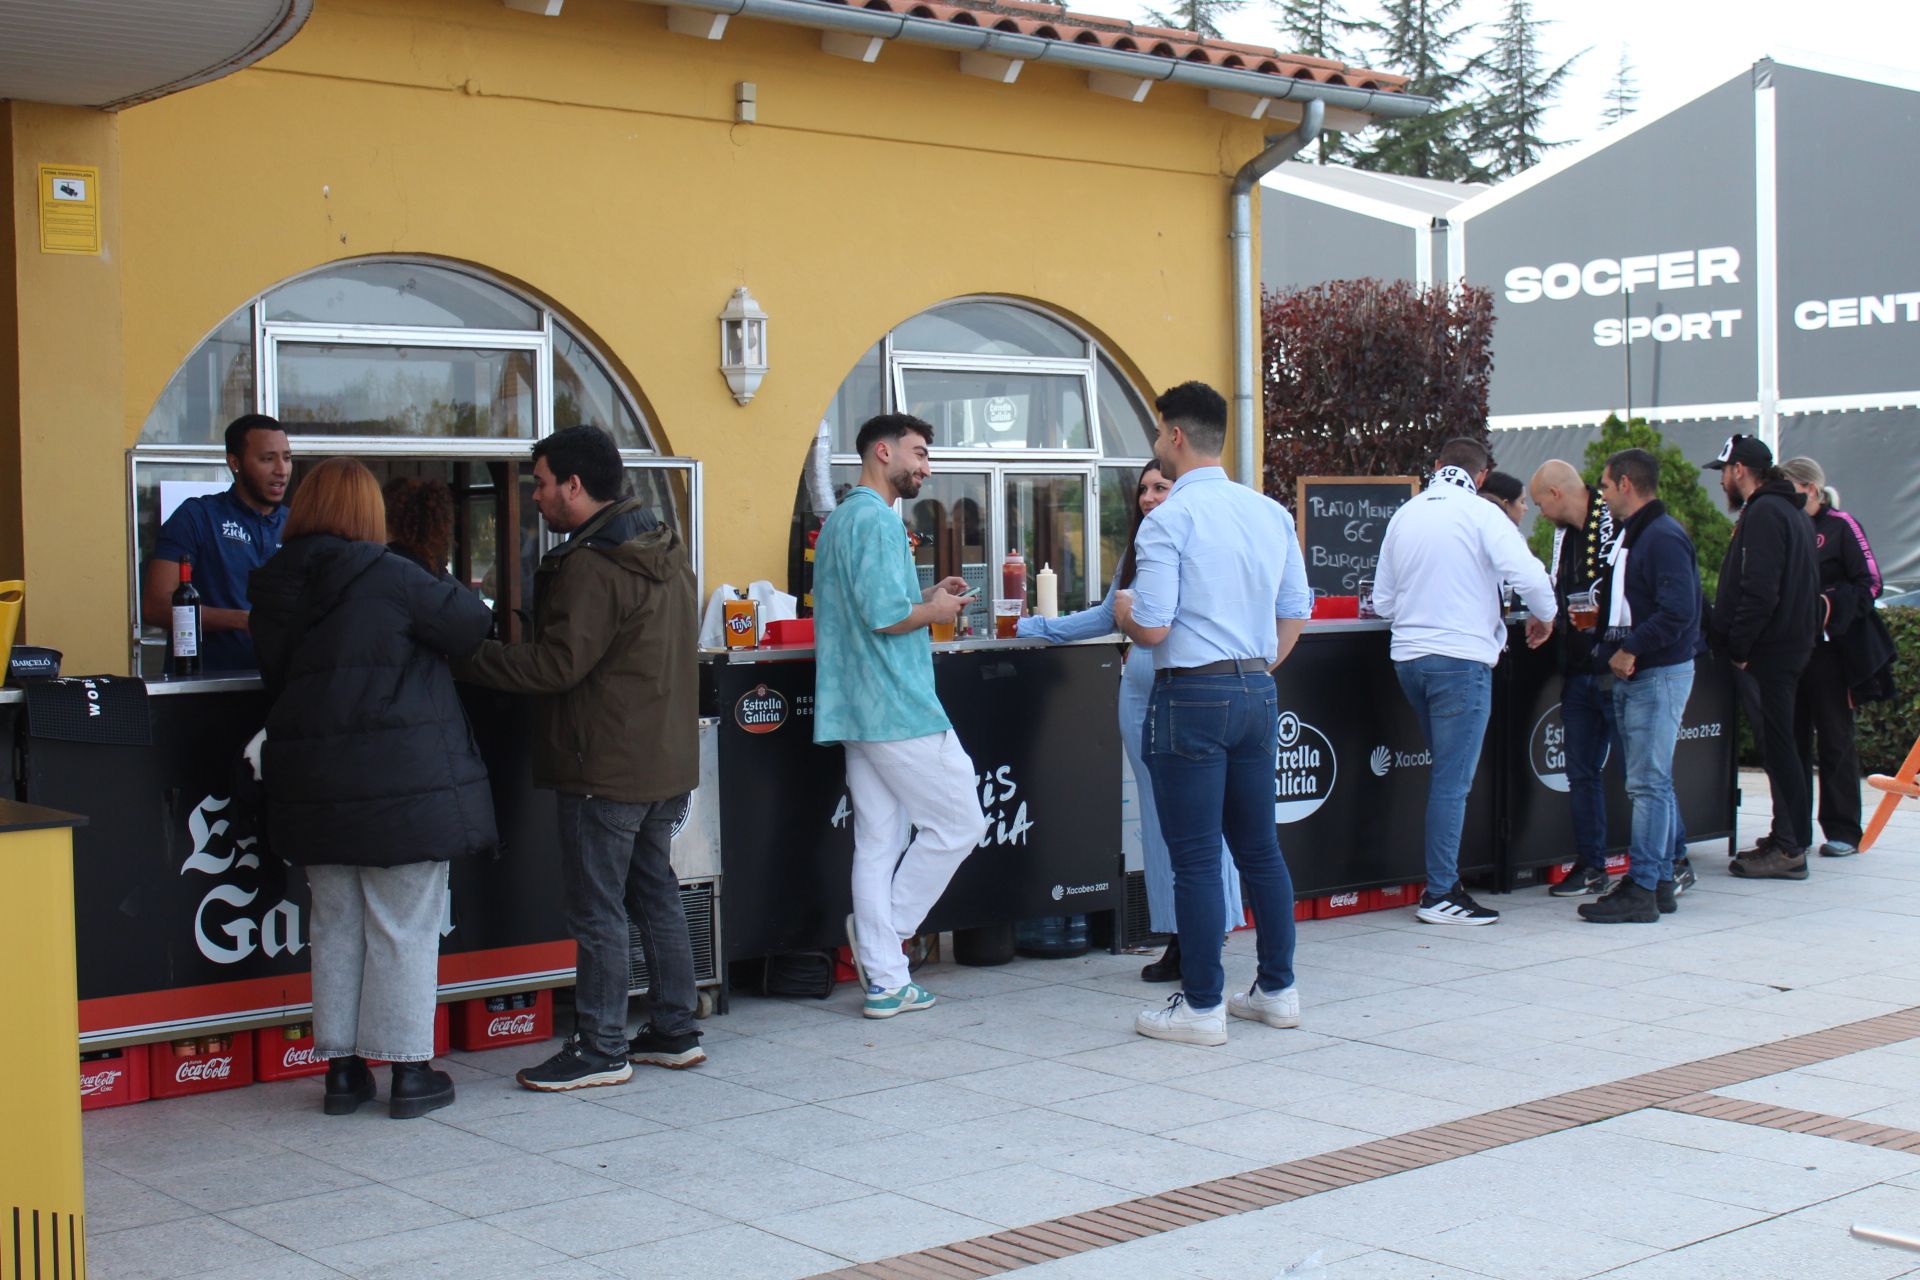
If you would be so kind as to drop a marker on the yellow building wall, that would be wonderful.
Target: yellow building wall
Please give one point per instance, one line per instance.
(594, 158)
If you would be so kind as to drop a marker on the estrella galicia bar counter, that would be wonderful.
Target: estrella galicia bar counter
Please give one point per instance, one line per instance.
(1038, 722)
(185, 927)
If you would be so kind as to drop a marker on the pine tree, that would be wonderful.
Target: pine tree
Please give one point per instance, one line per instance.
(1623, 95)
(1198, 16)
(1319, 29)
(1507, 121)
(1416, 38)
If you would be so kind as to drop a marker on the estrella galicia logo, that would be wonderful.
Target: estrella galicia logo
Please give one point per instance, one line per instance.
(760, 709)
(1304, 769)
(680, 818)
(1380, 761)
(1547, 751)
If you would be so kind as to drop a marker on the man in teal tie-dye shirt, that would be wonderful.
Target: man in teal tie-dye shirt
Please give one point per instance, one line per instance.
(875, 696)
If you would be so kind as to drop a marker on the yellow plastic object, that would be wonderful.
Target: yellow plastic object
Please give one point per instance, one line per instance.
(42, 1195)
(12, 596)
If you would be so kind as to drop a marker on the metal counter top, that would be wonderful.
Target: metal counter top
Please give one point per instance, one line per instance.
(805, 653)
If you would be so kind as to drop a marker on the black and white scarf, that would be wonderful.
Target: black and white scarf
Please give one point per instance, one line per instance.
(1597, 535)
(1454, 476)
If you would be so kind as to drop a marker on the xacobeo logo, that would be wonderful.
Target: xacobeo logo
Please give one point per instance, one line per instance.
(1380, 761)
(1304, 769)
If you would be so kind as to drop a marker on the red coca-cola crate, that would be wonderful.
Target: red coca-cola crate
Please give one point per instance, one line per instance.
(475, 1026)
(1559, 871)
(114, 1077)
(1395, 896)
(1618, 863)
(200, 1064)
(1302, 909)
(1335, 905)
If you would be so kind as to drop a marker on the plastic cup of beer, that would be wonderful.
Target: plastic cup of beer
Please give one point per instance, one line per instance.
(1006, 619)
(1583, 610)
(944, 631)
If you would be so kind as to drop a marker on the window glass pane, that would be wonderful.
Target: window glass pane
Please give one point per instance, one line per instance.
(988, 329)
(1127, 422)
(211, 389)
(402, 293)
(951, 520)
(1117, 488)
(823, 486)
(160, 487)
(972, 410)
(429, 392)
(583, 391)
(1047, 523)
(861, 396)
(668, 493)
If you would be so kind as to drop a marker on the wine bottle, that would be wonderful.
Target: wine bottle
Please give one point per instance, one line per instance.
(183, 651)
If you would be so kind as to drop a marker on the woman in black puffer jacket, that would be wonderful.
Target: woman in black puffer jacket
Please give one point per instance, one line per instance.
(372, 778)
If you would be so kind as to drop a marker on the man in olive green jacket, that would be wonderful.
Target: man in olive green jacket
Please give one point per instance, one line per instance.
(612, 661)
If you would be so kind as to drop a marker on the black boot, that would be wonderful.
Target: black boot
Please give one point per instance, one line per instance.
(418, 1089)
(349, 1084)
(1167, 967)
(1628, 903)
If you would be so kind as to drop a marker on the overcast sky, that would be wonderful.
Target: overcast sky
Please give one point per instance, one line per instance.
(1673, 45)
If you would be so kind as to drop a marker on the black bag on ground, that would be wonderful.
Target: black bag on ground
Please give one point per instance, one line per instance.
(807, 974)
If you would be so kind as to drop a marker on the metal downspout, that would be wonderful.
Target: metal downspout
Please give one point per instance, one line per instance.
(1247, 418)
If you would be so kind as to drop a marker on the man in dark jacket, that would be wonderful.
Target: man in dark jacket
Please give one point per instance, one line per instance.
(612, 658)
(1648, 637)
(1765, 619)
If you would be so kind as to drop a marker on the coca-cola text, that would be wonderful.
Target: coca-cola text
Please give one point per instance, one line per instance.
(99, 1082)
(191, 1070)
(519, 1024)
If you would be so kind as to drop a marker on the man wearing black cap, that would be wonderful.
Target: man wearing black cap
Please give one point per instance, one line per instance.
(1765, 620)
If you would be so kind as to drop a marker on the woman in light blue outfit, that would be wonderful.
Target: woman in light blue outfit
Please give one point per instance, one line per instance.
(1136, 684)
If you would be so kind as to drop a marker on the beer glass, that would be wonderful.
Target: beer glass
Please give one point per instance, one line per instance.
(944, 631)
(1006, 619)
(1583, 610)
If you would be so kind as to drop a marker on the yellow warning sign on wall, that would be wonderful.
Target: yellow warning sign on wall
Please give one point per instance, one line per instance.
(69, 208)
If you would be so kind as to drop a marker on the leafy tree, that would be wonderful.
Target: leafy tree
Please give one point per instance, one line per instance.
(1507, 121)
(1362, 377)
(1623, 95)
(1680, 489)
(1202, 17)
(1417, 39)
(1319, 29)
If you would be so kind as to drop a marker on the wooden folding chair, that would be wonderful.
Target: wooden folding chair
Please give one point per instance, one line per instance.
(1901, 786)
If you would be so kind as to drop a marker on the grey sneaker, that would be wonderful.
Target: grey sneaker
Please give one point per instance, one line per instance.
(1581, 881)
(1683, 876)
(1837, 849)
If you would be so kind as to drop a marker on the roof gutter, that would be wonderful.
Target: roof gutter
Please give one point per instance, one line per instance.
(1249, 420)
(825, 15)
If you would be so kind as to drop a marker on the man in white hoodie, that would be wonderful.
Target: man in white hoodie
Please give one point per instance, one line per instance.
(1438, 583)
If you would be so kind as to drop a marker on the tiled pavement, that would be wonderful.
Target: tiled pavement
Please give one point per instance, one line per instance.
(813, 1140)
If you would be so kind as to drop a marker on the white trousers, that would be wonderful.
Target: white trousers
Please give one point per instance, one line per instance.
(926, 784)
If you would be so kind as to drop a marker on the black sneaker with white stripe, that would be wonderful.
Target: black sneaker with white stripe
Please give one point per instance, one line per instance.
(1453, 907)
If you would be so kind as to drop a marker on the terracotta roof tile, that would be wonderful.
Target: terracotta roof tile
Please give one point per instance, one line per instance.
(1053, 22)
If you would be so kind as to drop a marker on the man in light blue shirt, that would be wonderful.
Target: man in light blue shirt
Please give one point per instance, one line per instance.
(1220, 597)
(874, 695)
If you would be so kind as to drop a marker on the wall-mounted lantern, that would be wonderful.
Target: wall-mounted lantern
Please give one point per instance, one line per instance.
(743, 344)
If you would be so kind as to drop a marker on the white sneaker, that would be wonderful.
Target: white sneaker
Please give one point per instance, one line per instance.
(1180, 1022)
(1275, 1008)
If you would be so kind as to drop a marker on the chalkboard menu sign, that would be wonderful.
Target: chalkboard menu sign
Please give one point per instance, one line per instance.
(1342, 522)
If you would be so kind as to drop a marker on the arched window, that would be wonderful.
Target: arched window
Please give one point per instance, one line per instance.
(1038, 443)
(416, 368)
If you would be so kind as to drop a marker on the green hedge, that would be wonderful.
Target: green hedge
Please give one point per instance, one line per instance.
(1887, 729)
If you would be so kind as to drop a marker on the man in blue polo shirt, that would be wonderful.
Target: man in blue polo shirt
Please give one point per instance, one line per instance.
(225, 537)
(874, 695)
(1220, 596)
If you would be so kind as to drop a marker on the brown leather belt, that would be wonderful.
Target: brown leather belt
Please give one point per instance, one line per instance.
(1225, 667)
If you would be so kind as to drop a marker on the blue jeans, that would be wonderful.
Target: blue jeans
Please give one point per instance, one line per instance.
(1647, 708)
(1209, 743)
(614, 867)
(1452, 698)
(1586, 713)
